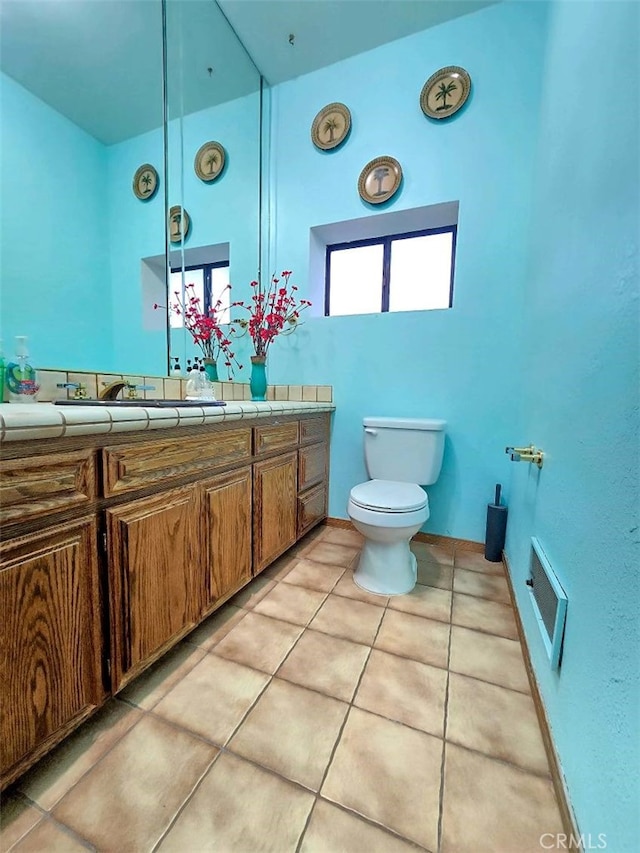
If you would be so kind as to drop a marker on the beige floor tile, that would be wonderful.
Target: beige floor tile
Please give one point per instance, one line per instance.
(216, 627)
(476, 563)
(278, 570)
(427, 553)
(349, 589)
(435, 574)
(291, 730)
(55, 774)
(328, 664)
(49, 837)
(427, 601)
(404, 690)
(335, 555)
(150, 687)
(483, 585)
(499, 722)
(16, 819)
(489, 658)
(213, 698)
(291, 603)
(129, 799)
(389, 773)
(319, 576)
(349, 619)
(253, 592)
(342, 536)
(240, 808)
(260, 642)
(492, 806)
(333, 830)
(492, 617)
(424, 640)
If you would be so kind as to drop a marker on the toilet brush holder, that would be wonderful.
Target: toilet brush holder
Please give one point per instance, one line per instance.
(496, 529)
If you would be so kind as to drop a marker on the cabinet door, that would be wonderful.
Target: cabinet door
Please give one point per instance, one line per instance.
(155, 578)
(227, 521)
(274, 499)
(50, 639)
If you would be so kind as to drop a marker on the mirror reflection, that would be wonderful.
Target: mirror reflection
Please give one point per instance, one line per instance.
(83, 231)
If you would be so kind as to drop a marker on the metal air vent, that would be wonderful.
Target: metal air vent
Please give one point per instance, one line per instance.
(549, 602)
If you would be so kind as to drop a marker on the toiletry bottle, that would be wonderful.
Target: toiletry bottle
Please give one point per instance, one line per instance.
(20, 376)
(176, 370)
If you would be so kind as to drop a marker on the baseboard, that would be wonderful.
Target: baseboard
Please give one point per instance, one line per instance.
(557, 777)
(429, 538)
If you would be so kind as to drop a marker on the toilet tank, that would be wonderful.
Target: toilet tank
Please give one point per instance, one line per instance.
(408, 450)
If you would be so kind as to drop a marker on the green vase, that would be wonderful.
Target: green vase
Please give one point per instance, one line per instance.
(211, 369)
(258, 380)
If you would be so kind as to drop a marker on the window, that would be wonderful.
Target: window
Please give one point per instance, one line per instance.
(400, 272)
(209, 282)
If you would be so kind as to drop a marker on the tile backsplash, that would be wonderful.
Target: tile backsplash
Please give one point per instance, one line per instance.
(168, 388)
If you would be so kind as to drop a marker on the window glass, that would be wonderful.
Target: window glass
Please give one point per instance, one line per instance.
(219, 281)
(356, 280)
(420, 274)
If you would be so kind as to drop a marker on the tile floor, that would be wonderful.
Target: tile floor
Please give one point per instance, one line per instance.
(308, 715)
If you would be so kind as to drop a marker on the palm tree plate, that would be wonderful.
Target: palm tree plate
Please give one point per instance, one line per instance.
(209, 161)
(445, 92)
(178, 223)
(145, 182)
(379, 180)
(331, 126)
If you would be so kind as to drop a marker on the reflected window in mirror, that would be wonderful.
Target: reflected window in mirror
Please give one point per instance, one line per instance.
(207, 283)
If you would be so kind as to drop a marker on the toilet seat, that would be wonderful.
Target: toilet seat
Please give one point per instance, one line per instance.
(388, 496)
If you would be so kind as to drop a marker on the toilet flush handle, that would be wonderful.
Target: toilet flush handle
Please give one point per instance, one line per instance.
(371, 431)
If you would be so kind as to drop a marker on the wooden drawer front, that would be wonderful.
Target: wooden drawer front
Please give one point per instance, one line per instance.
(312, 507)
(313, 430)
(42, 485)
(128, 468)
(312, 465)
(267, 439)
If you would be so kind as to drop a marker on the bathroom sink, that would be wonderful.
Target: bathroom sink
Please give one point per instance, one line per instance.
(147, 404)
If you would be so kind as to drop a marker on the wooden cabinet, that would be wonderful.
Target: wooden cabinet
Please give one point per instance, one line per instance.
(274, 518)
(156, 590)
(50, 640)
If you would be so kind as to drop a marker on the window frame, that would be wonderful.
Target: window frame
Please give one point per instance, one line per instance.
(386, 242)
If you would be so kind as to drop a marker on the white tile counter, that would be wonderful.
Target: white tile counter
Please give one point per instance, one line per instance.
(20, 421)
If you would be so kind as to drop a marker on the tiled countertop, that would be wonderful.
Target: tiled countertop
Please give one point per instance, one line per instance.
(20, 421)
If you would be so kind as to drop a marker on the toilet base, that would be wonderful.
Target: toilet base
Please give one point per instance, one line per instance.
(386, 568)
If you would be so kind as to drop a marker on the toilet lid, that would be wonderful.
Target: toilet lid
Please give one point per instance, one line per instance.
(389, 495)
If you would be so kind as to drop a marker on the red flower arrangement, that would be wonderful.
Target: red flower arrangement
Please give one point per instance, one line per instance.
(204, 328)
(272, 313)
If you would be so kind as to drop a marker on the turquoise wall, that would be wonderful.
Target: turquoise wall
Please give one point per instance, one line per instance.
(54, 276)
(461, 364)
(580, 342)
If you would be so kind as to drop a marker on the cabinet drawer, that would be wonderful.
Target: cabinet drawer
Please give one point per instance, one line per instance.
(313, 430)
(312, 507)
(312, 465)
(128, 468)
(42, 485)
(270, 438)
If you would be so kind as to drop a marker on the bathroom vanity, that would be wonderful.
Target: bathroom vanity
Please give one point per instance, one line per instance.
(122, 530)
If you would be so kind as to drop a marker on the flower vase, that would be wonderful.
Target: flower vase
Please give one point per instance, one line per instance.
(211, 369)
(258, 380)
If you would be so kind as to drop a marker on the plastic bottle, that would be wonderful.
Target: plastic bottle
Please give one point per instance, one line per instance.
(20, 376)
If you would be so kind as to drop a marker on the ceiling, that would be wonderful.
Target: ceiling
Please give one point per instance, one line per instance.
(100, 63)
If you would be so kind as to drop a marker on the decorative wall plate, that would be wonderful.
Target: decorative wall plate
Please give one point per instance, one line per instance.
(379, 180)
(331, 126)
(209, 161)
(145, 182)
(445, 92)
(178, 223)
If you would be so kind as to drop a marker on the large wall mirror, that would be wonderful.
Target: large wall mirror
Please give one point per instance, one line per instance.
(83, 259)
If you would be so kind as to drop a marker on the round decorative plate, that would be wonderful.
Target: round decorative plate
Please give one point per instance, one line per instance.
(445, 92)
(379, 180)
(209, 161)
(145, 182)
(331, 126)
(179, 223)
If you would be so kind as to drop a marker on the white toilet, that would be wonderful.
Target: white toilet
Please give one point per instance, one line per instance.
(391, 507)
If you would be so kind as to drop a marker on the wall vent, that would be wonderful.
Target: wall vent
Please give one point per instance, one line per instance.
(549, 602)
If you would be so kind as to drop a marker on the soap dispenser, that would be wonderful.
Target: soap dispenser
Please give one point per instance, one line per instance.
(20, 375)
